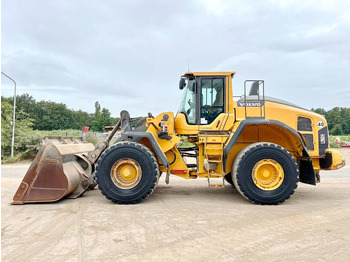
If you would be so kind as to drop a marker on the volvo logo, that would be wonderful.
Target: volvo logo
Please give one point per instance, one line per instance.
(250, 104)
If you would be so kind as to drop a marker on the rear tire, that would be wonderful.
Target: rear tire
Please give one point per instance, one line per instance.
(228, 179)
(265, 173)
(127, 172)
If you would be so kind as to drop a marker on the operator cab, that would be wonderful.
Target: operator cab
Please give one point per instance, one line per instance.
(204, 101)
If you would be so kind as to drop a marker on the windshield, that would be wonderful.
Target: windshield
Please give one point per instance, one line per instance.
(188, 101)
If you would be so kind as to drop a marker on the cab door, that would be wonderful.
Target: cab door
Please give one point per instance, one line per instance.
(212, 98)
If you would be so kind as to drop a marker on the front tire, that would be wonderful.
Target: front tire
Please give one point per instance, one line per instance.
(265, 173)
(127, 172)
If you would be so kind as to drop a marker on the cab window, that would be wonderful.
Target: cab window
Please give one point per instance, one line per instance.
(212, 99)
(188, 102)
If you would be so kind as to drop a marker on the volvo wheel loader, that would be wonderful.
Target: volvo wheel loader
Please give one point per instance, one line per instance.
(261, 145)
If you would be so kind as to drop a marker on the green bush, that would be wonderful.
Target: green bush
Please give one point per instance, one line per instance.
(90, 137)
(65, 132)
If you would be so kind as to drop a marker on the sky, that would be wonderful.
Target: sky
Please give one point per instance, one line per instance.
(130, 54)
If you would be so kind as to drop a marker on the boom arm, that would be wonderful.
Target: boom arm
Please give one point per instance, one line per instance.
(124, 123)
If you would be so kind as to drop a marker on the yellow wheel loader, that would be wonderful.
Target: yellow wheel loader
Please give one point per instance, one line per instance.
(261, 145)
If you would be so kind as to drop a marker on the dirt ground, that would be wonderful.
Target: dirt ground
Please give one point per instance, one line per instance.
(182, 221)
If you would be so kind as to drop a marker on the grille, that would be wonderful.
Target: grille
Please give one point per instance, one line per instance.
(309, 141)
(304, 124)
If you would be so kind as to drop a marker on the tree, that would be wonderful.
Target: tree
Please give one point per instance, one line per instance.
(97, 109)
(25, 140)
(6, 128)
(345, 116)
(49, 115)
(81, 119)
(320, 111)
(53, 116)
(336, 130)
(101, 120)
(338, 119)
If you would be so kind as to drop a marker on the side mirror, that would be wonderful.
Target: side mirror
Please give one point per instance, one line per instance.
(182, 83)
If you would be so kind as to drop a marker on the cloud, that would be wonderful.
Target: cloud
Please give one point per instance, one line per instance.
(130, 54)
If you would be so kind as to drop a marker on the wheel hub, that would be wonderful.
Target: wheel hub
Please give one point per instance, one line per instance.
(267, 174)
(126, 173)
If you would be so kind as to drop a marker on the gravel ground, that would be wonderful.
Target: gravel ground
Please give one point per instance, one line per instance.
(183, 221)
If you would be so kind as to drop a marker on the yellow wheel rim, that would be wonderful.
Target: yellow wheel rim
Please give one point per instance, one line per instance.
(267, 174)
(126, 173)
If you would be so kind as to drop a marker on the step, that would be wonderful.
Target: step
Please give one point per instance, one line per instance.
(219, 182)
(215, 161)
(214, 157)
(216, 186)
(215, 175)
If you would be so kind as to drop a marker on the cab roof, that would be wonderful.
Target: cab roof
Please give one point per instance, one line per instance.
(211, 73)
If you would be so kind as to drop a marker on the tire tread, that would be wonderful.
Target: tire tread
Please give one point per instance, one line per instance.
(239, 160)
(154, 163)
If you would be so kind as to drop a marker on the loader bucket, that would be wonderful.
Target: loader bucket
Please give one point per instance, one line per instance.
(58, 170)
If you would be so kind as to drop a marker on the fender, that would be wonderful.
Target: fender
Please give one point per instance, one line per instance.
(137, 136)
(307, 174)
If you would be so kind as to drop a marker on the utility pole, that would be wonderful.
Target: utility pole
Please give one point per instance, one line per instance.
(14, 114)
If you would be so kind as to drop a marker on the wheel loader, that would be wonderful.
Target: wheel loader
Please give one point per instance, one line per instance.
(261, 145)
